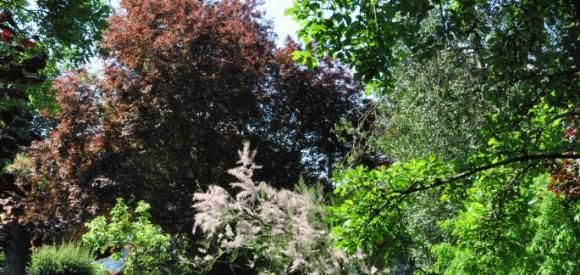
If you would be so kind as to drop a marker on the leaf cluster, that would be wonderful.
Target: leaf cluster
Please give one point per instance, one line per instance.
(67, 258)
(132, 230)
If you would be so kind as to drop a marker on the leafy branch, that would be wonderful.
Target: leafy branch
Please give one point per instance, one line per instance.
(400, 194)
(463, 175)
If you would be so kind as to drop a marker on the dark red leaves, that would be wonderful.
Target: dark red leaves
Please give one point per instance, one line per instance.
(569, 132)
(26, 43)
(5, 16)
(6, 35)
(189, 81)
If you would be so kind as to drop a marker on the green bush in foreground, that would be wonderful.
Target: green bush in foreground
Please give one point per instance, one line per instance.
(150, 247)
(68, 258)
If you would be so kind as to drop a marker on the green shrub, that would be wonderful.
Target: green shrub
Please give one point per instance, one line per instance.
(68, 258)
(150, 247)
(2, 259)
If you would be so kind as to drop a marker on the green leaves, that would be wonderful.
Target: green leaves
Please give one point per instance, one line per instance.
(148, 246)
(70, 30)
(483, 214)
(518, 236)
(507, 38)
(369, 200)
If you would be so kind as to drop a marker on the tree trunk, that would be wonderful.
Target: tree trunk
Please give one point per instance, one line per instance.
(16, 247)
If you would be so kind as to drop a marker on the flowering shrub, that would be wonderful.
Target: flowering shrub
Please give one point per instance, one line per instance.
(278, 231)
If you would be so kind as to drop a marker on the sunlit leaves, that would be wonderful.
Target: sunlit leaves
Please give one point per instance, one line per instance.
(128, 230)
(69, 30)
(371, 200)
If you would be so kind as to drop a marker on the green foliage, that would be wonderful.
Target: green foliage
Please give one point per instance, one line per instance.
(148, 245)
(437, 107)
(491, 217)
(376, 36)
(487, 87)
(68, 29)
(534, 233)
(68, 258)
(375, 214)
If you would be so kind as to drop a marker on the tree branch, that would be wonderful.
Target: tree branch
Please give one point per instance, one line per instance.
(390, 198)
(566, 73)
(463, 175)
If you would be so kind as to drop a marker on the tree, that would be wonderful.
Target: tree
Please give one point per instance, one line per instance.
(35, 35)
(69, 30)
(20, 70)
(523, 56)
(188, 81)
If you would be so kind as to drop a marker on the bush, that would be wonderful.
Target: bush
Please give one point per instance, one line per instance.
(69, 258)
(273, 231)
(149, 250)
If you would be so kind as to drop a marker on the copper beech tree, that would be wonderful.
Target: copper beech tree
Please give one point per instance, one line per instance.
(186, 83)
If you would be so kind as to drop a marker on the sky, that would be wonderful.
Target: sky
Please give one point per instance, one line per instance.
(283, 26)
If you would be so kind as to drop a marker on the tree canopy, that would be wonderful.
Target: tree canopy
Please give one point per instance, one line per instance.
(397, 137)
(478, 103)
(184, 86)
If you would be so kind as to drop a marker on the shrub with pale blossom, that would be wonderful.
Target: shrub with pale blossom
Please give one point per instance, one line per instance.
(278, 231)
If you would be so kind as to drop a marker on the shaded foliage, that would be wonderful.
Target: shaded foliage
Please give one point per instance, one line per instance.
(186, 82)
(69, 30)
(477, 101)
(299, 115)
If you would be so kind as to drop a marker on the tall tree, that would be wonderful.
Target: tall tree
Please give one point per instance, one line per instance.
(492, 192)
(187, 82)
(34, 37)
(20, 65)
